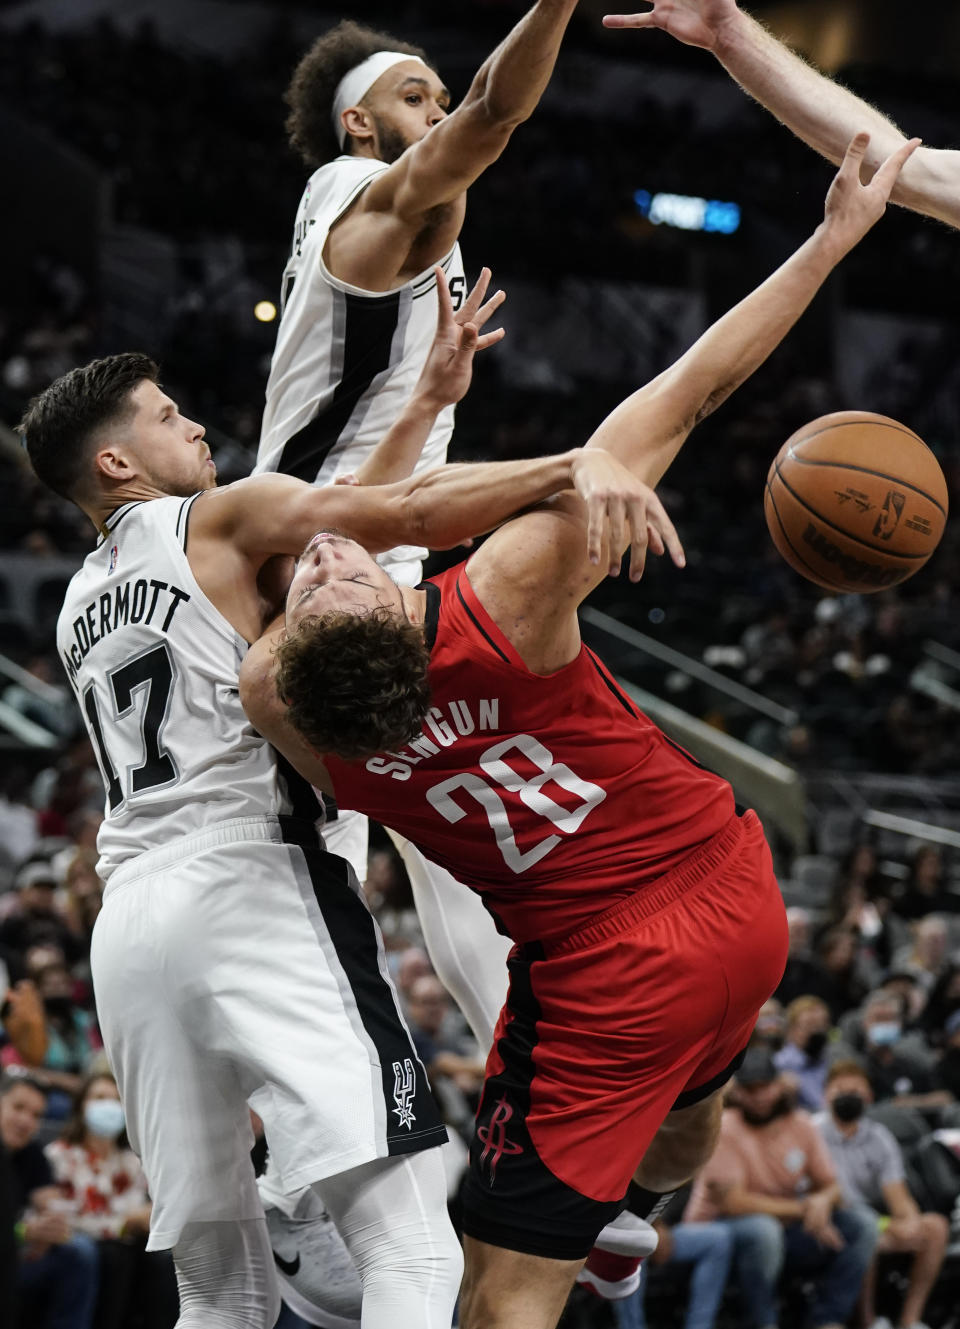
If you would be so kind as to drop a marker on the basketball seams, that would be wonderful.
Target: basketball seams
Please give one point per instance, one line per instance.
(884, 552)
(864, 470)
(815, 573)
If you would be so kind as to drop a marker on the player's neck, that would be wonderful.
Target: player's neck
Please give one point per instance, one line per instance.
(102, 508)
(414, 603)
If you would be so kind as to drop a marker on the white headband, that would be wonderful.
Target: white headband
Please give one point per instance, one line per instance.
(357, 82)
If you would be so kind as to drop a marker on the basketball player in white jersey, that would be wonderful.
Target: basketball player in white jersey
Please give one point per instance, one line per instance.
(234, 961)
(358, 304)
(358, 312)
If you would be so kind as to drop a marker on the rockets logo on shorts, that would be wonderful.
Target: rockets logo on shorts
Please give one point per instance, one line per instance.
(493, 1137)
(404, 1088)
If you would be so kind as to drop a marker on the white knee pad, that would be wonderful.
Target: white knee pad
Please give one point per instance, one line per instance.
(225, 1276)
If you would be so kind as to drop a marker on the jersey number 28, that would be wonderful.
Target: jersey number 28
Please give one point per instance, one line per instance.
(531, 792)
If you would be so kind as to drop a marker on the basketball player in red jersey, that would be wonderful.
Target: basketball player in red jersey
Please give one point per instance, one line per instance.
(648, 924)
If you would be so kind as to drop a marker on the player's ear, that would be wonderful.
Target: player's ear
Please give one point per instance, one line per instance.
(358, 122)
(112, 463)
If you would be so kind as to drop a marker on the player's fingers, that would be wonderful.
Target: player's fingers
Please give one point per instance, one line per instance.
(489, 309)
(638, 541)
(887, 172)
(469, 337)
(490, 338)
(667, 531)
(616, 531)
(655, 540)
(628, 20)
(349, 479)
(445, 318)
(474, 300)
(856, 149)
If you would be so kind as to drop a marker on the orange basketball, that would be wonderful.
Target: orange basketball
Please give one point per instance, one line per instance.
(855, 501)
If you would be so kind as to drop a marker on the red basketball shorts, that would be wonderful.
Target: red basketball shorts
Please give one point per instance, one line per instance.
(646, 1009)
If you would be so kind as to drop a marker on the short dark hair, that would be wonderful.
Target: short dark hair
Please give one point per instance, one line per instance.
(847, 1067)
(60, 423)
(20, 1077)
(316, 78)
(355, 684)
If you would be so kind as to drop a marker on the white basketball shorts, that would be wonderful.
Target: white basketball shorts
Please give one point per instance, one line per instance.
(239, 966)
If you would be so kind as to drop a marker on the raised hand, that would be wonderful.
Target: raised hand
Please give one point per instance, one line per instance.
(852, 207)
(619, 504)
(448, 369)
(693, 22)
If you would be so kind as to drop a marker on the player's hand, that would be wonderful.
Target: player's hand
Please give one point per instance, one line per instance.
(449, 366)
(852, 207)
(621, 508)
(693, 22)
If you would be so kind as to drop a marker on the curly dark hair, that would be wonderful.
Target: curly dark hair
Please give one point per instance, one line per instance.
(62, 421)
(316, 78)
(355, 684)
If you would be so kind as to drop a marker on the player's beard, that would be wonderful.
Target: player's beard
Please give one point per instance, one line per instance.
(390, 142)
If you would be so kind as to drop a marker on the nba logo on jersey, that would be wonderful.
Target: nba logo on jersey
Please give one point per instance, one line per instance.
(113, 559)
(404, 1085)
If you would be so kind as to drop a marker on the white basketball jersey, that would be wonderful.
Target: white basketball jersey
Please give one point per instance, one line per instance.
(155, 670)
(346, 360)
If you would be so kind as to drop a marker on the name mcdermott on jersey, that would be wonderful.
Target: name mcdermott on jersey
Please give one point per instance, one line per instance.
(127, 602)
(463, 720)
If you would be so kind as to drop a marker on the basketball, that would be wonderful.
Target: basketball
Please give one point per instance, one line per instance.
(855, 501)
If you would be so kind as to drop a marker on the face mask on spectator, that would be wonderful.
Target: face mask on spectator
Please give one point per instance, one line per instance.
(815, 1045)
(848, 1107)
(58, 1007)
(883, 1034)
(104, 1116)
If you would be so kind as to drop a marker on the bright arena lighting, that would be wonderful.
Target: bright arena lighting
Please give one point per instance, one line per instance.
(688, 213)
(264, 311)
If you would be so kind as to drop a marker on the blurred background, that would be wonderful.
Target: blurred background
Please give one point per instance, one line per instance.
(148, 199)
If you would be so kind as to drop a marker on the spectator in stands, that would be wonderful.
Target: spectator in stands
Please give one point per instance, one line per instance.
(84, 895)
(925, 891)
(943, 1000)
(454, 1068)
(24, 1023)
(926, 956)
(801, 970)
(56, 1264)
(770, 1027)
(772, 1180)
(36, 920)
(71, 1040)
(18, 821)
(895, 1067)
(870, 1170)
(861, 902)
(948, 1069)
(803, 1057)
(106, 1197)
(833, 976)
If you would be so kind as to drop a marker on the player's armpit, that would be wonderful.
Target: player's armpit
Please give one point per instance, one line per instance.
(267, 713)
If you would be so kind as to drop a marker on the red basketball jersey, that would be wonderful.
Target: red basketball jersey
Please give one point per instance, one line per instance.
(552, 796)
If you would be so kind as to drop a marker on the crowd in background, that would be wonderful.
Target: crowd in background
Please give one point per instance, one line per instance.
(873, 980)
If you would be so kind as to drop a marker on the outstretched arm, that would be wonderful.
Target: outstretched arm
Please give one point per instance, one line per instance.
(645, 433)
(371, 246)
(819, 110)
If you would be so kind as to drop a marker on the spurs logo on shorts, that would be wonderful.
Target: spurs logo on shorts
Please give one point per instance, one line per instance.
(404, 1087)
(494, 1138)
